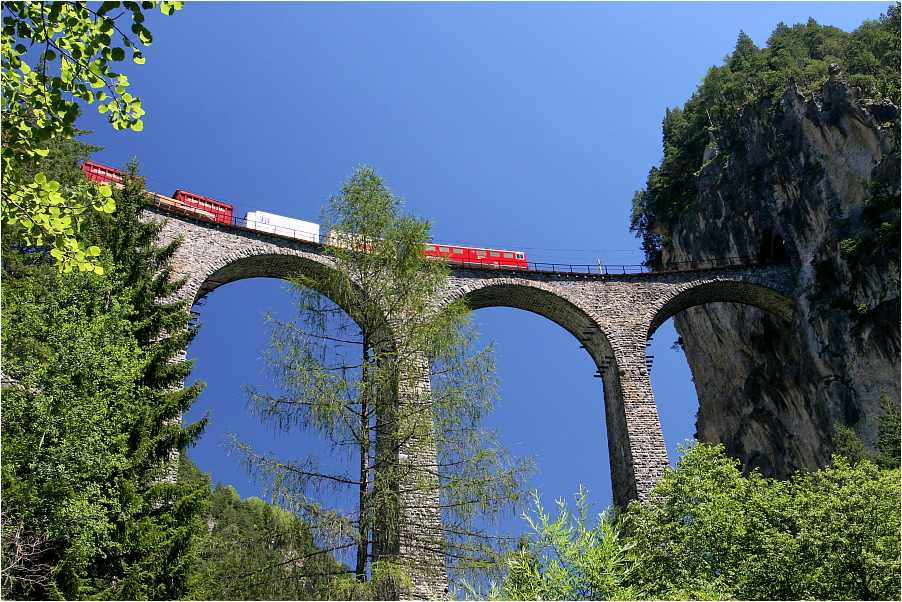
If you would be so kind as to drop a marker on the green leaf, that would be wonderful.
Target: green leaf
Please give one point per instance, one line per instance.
(107, 7)
(39, 177)
(117, 54)
(106, 191)
(138, 126)
(138, 58)
(41, 152)
(94, 251)
(98, 270)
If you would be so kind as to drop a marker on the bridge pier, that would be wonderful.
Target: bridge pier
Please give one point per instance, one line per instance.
(411, 534)
(636, 447)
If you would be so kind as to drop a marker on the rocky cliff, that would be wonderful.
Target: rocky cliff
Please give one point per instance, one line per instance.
(813, 180)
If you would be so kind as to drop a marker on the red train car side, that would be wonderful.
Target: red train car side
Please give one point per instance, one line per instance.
(102, 174)
(222, 212)
(478, 256)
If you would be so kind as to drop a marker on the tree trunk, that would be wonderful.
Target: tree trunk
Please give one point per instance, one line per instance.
(363, 524)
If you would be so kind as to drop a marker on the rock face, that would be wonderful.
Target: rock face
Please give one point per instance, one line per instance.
(815, 182)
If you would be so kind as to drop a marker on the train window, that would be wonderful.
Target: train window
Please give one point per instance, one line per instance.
(458, 251)
(508, 255)
(494, 253)
(443, 249)
(519, 255)
(480, 253)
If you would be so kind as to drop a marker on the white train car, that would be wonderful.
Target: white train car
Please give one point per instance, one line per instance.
(283, 226)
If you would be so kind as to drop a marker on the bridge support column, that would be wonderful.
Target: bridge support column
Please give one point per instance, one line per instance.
(414, 537)
(636, 446)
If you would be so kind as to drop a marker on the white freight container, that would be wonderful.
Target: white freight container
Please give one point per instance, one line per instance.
(283, 226)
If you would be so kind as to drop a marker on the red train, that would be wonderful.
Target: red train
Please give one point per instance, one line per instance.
(216, 211)
(478, 256)
(181, 200)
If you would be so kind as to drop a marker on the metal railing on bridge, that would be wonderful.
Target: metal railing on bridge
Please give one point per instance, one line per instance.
(639, 268)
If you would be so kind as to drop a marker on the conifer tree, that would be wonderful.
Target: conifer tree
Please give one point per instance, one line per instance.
(92, 415)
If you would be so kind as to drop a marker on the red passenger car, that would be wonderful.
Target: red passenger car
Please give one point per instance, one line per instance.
(102, 174)
(222, 212)
(478, 257)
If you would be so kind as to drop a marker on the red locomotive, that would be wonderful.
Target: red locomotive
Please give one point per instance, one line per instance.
(212, 210)
(499, 258)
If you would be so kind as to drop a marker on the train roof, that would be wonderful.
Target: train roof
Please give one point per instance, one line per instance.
(200, 196)
(96, 164)
(445, 244)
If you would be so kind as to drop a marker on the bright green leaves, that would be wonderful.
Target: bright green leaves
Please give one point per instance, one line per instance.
(42, 215)
(708, 532)
(41, 103)
(167, 8)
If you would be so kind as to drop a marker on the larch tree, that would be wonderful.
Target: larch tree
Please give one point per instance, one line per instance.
(386, 376)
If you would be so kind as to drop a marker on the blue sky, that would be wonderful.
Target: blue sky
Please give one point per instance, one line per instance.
(524, 126)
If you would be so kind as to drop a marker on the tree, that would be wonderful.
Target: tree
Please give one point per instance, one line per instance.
(91, 416)
(253, 550)
(708, 532)
(358, 368)
(57, 56)
(566, 558)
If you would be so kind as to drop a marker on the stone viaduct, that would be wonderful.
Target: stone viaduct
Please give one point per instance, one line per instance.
(612, 316)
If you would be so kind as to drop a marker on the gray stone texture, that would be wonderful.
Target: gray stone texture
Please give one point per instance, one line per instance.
(810, 171)
(611, 316)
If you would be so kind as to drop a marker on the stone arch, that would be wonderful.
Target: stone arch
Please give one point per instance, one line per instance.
(211, 255)
(692, 294)
(552, 303)
(541, 299)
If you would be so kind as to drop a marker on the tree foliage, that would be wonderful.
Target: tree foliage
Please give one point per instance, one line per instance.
(357, 379)
(709, 532)
(798, 56)
(254, 550)
(567, 558)
(91, 415)
(56, 57)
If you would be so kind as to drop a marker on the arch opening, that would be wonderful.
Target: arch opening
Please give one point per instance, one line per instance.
(532, 298)
(702, 383)
(228, 354)
(720, 291)
(316, 269)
